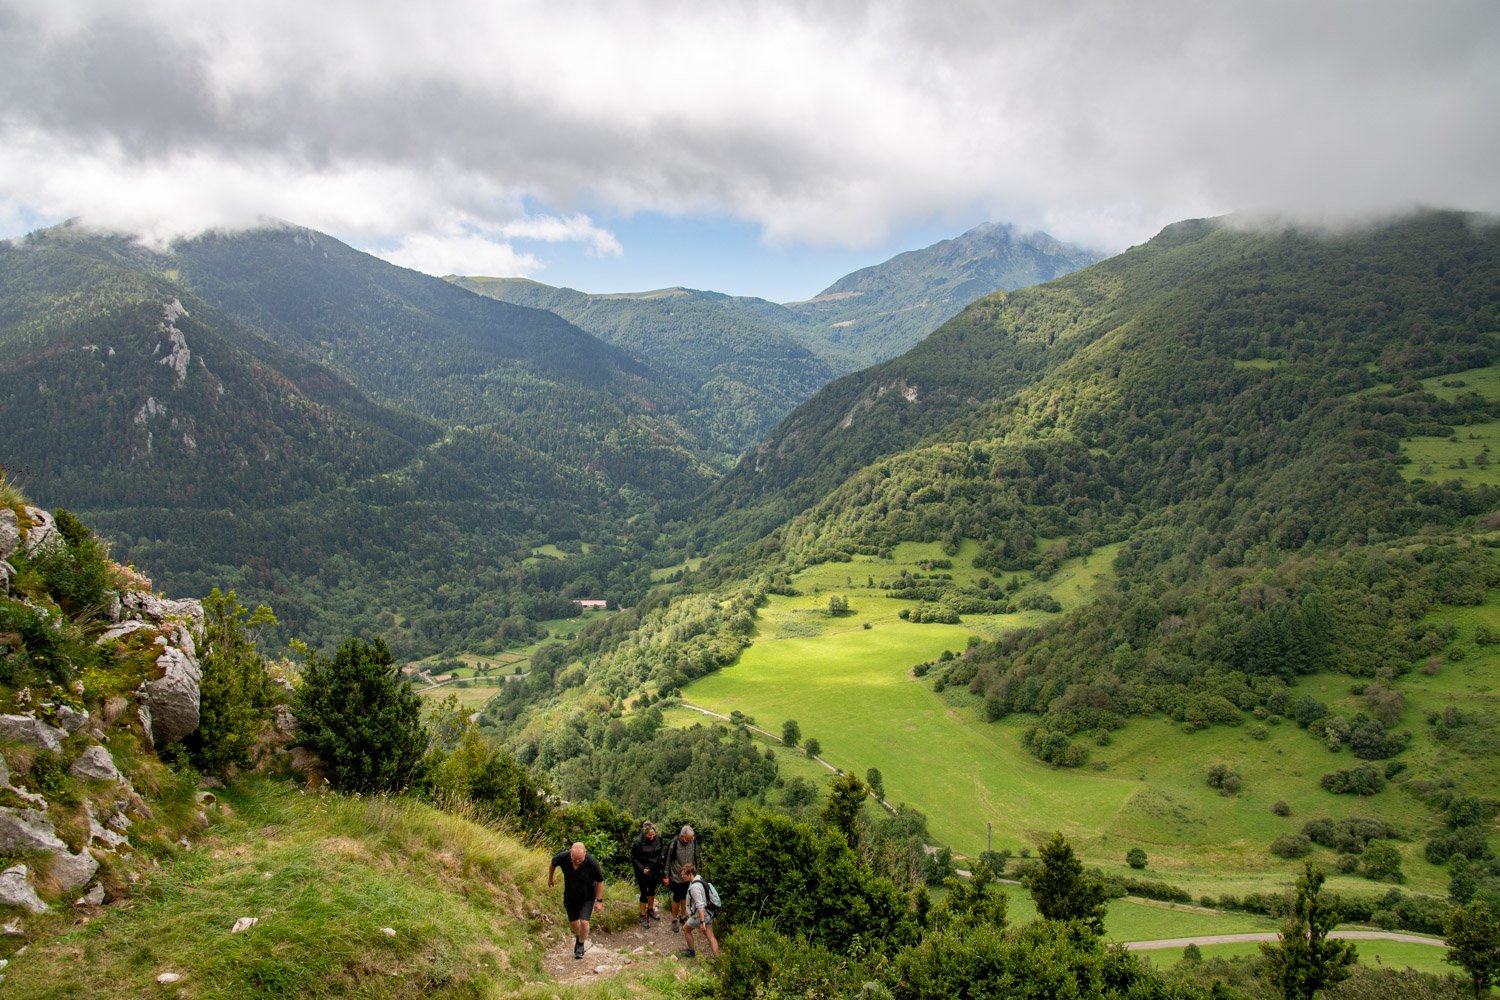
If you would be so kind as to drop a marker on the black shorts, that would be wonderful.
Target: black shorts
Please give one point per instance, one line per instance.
(648, 884)
(580, 910)
(679, 891)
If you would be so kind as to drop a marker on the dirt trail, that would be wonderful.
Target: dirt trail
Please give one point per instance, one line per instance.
(610, 953)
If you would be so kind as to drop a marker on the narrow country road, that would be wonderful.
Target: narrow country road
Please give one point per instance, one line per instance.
(1165, 943)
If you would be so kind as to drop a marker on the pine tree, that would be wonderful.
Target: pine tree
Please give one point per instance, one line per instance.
(1062, 890)
(361, 718)
(1304, 961)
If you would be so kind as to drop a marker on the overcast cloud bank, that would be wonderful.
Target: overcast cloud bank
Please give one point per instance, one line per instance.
(459, 137)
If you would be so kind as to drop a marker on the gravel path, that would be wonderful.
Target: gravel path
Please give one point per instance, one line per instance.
(1165, 943)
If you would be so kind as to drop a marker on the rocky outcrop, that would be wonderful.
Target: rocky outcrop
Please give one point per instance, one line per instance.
(31, 731)
(169, 704)
(16, 890)
(95, 764)
(29, 831)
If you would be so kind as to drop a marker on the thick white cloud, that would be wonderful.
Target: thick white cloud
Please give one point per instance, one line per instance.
(454, 127)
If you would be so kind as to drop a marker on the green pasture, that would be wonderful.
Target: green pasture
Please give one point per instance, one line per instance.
(551, 551)
(1376, 954)
(1472, 453)
(667, 572)
(848, 682)
(468, 697)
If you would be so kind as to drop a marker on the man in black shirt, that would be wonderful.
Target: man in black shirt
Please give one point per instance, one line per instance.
(583, 890)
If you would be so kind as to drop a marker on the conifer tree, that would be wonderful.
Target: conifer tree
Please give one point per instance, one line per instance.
(1061, 888)
(361, 718)
(1304, 961)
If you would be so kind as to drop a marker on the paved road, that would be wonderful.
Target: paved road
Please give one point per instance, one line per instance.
(1272, 936)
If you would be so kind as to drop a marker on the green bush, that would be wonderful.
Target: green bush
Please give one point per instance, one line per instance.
(361, 719)
(236, 693)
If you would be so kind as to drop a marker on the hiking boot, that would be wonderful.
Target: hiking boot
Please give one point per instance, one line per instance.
(654, 916)
(675, 925)
(688, 953)
(645, 922)
(577, 948)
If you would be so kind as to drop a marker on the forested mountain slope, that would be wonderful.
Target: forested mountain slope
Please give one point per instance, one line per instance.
(386, 468)
(752, 361)
(747, 366)
(1194, 317)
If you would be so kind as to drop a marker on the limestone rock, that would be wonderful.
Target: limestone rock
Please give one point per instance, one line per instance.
(4, 773)
(71, 719)
(41, 534)
(168, 978)
(7, 574)
(147, 606)
(28, 830)
(169, 704)
(95, 764)
(94, 897)
(10, 533)
(31, 731)
(104, 835)
(15, 890)
(73, 871)
(244, 924)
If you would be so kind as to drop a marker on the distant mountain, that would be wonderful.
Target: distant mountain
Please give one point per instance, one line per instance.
(360, 446)
(881, 311)
(750, 361)
(742, 358)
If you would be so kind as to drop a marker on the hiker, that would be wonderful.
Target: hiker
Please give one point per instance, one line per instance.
(646, 856)
(682, 851)
(583, 890)
(698, 915)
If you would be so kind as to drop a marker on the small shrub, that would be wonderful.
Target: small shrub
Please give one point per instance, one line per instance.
(1291, 846)
(1281, 808)
(1135, 858)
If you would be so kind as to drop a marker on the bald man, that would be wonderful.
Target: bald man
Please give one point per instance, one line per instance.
(583, 891)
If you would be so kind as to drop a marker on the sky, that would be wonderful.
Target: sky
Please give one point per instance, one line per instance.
(758, 148)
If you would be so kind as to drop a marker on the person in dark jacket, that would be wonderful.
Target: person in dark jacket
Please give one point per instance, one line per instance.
(646, 855)
(682, 851)
(583, 891)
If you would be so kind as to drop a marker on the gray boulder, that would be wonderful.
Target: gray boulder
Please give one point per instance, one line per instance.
(10, 533)
(169, 704)
(15, 890)
(33, 732)
(71, 719)
(27, 830)
(95, 764)
(41, 534)
(73, 871)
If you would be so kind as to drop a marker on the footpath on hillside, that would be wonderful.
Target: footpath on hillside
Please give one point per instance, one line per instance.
(612, 952)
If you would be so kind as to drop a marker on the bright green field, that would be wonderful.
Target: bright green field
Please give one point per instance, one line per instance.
(1376, 954)
(851, 687)
(1477, 446)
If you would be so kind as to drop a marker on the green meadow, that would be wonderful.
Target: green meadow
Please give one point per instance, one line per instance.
(849, 682)
(1471, 453)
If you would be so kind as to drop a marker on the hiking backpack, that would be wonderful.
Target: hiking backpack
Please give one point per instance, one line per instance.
(712, 896)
